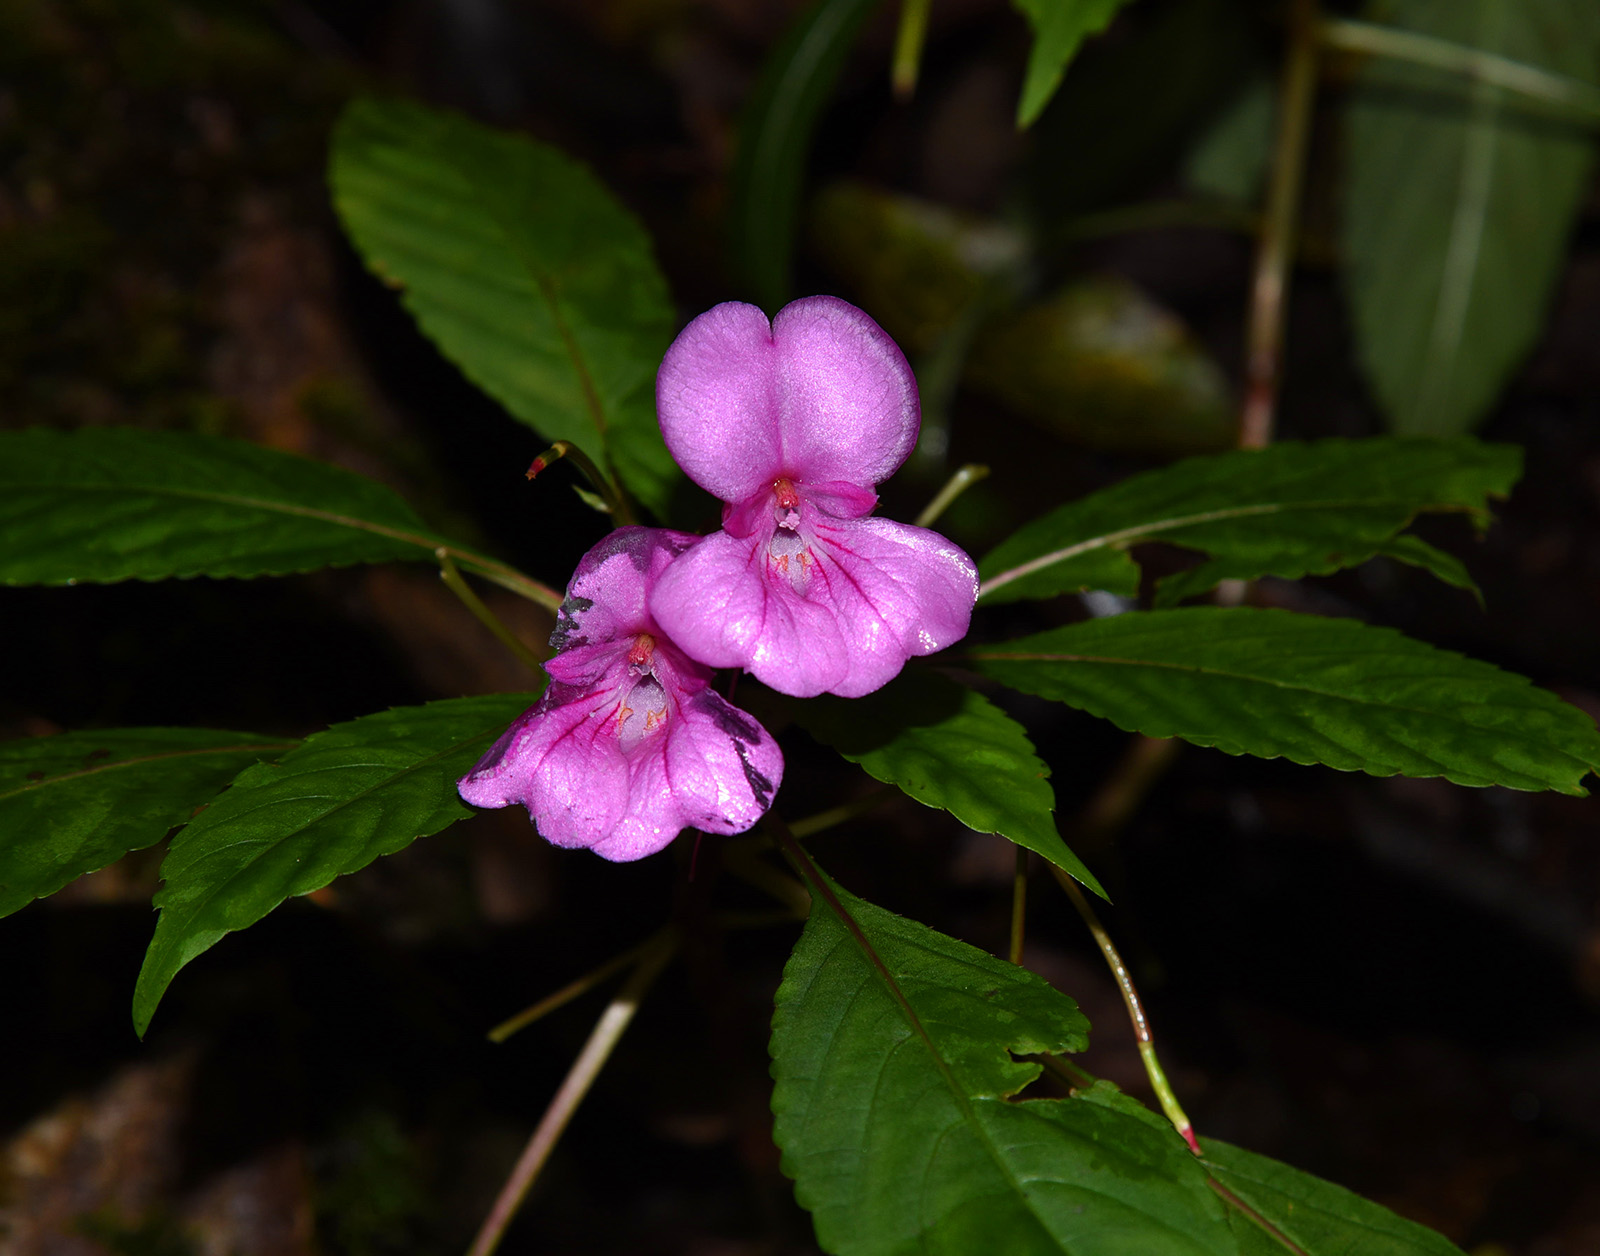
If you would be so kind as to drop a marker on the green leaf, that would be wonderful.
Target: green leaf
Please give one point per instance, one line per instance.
(1059, 27)
(892, 1063)
(1458, 205)
(522, 268)
(950, 748)
(361, 789)
(1412, 550)
(1313, 690)
(1317, 1216)
(1289, 510)
(75, 802)
(775, 141)
(118, 503)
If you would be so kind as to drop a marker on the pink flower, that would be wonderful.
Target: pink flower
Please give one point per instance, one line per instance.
(629, 745)
(791, 424)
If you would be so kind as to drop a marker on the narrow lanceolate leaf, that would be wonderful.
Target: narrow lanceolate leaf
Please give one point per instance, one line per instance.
(1059, 27)
(1272, 1206)
(108, 504)
(524, 271)
(1290, 510)
(893, 1069)
(73, 803)
(775, 142)
(1313, 690)
(1459, 199)
(951, 748)
(346, 796)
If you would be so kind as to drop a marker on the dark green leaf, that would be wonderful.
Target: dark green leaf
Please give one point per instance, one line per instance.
(346, 796)
(1412, 550)
(951, 748)
(1289, 510)
(1317, 1216)
(119, 503)
(775, 141)
(524, 271)
(1059, 27)
(1313, 690)
(1458, 204)
(892, 1055)
(73, 803)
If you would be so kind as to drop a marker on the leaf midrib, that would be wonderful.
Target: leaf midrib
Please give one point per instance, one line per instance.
(429, 544)
(194, 906)
(1130, 534)
(6, 795)
(1042, 657)
(970, 1117)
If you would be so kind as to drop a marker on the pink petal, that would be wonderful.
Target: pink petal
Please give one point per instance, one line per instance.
(720, 608)
(820, 394)
(561, 761)
(715, 398)
(880, 592)
(607, 595)
(899, 591)
(724, 767)
(848, 397)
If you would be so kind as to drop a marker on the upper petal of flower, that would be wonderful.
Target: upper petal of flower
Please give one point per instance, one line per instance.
(821, 393)
(608, 595)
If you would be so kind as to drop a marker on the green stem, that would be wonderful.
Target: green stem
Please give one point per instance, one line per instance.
(844, 811)
(610, 491)
(1019, 905)
(956, 485)
(1264, 338)
(1130, 996)
(451, 575)
(1570, 95)
(908, 43)
(607, 1032)
(571, 991)
(743, 861)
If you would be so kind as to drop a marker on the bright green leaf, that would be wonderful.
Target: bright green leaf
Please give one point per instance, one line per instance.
(75, 802)
(775, 142)
(1320, 1218)
(1458, 205)
(892, 1050)
(1059, 27)
(1313, 690)
(1289, 510)
(524, 271)
(119, 503)
(346, 796)
(951, 748)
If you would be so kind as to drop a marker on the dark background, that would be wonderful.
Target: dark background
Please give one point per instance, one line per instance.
(1395, 984)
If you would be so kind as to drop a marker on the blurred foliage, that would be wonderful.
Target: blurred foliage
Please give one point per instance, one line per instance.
(1132, 105)
(1102, 365)
(918, 267)
(1458, 204)
(1097, 362)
